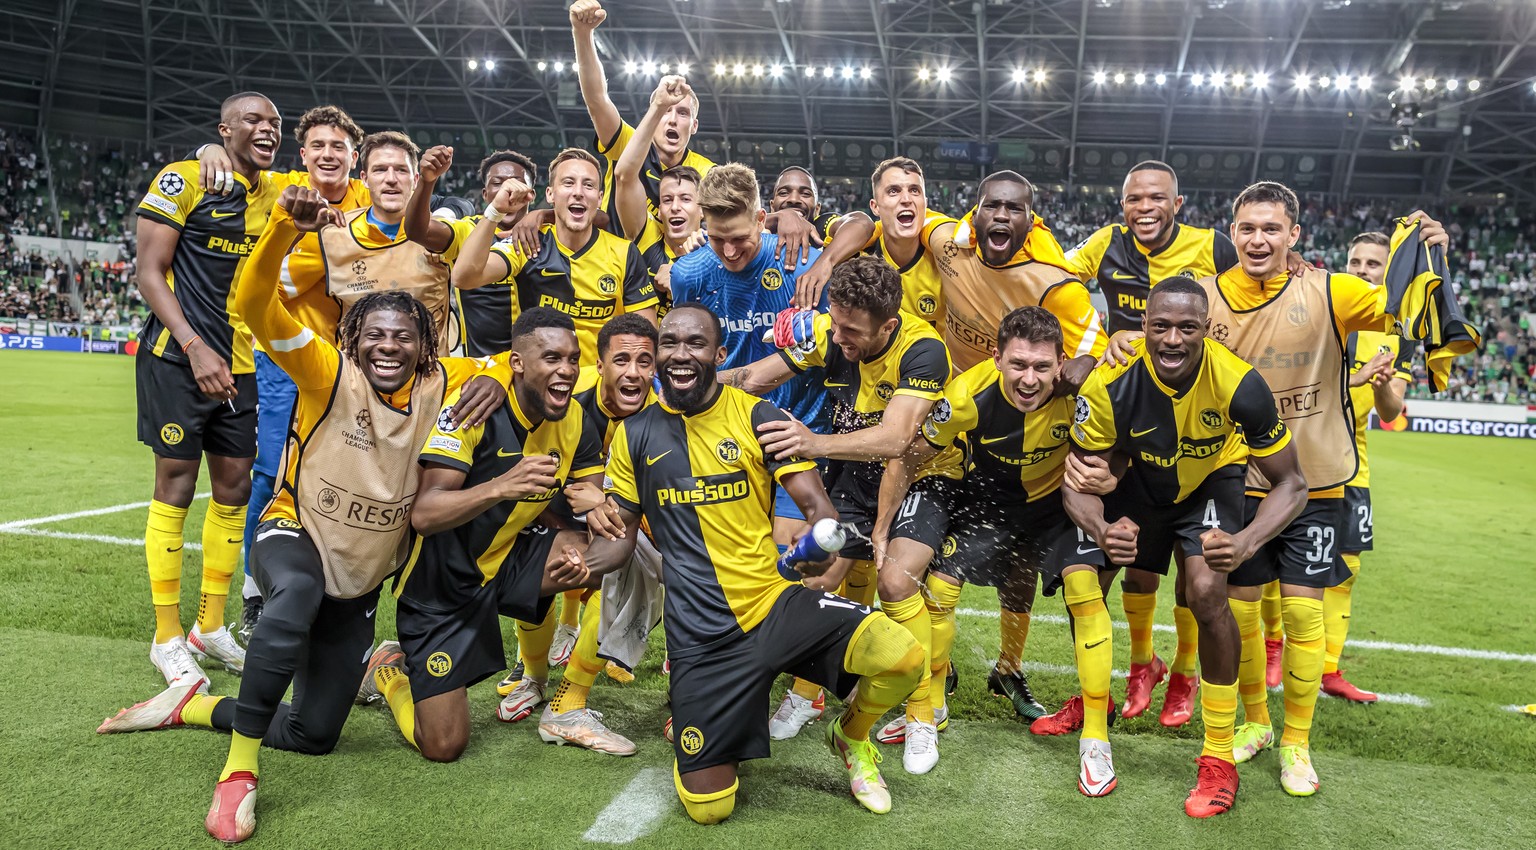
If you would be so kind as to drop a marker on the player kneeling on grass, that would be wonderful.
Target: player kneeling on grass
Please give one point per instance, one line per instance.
(485, 554)
(359, 421)
(693, 468)
(1181, 408)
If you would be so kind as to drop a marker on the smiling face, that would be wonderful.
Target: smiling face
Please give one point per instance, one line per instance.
(390, 174)
(1003, 220)
(251, 130)
(329, 157)
(574, 190)
(1263, 234)
(678, 207)
(1175, 325)
(545, 364)
(1029, 372)
(688, 355)
(498, 174)
(388, 349)
(1368, 261)
(795, 191)
(1151, 201)
(627, 368)
(901, 203)
(858, 333)
(677, 128)
(735, 239)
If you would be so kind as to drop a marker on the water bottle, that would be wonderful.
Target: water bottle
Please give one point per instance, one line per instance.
(825, 538)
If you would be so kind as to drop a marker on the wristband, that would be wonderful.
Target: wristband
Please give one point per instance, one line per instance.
(492, 213)
(187, 346)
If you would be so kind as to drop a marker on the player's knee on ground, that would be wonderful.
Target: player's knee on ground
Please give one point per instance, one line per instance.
(706, 807)
(442, 745)
(884, 648)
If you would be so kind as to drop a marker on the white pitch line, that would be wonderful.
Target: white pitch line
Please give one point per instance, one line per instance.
(635, 811)
(1413, 648)
(114, 509)
(70, 535)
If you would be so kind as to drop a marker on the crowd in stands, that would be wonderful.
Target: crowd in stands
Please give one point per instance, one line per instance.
(98, 187)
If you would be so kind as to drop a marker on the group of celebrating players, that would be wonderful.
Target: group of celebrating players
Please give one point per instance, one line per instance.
(637, 398)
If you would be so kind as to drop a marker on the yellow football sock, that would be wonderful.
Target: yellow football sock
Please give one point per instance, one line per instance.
(859, 584)
(223, 537)
(708, 808)
(1250, 671)
(912, 615)
(806, 688)
(199, 710)
(163, 543)
(533, 643)
(242, 755)
(1336, 605)
(941, 599)
(1013, 634)
(1271, 600)
(396, 688)
(582, 669)
(1092, 644)
(570, 606)
(1218, 711)
(1139, 611)
(1303, 665)
(890, 662)
(1186, 656)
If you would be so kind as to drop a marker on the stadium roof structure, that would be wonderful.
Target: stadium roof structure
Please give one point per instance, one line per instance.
(1314, 92)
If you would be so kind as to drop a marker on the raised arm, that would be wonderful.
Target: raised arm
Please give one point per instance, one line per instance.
(853, 232)
(477, 264)
(586, 16)
(420, 227)
(634, 207)
(759, 376)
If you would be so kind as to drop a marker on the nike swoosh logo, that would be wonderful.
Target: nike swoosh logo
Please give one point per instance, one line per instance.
(1082, 551)
(651, 174)
(227, 540)
(217, 214)
(370, 613)
(505, 453)
(1095, 643)
(1323, 569)
(650, 460)
(832, 384)
(548, 273)
(987, 441)
(1135, 433)
(177, 549)
(1117, 275)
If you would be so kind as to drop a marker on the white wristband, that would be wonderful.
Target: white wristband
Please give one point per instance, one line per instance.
(492, 213)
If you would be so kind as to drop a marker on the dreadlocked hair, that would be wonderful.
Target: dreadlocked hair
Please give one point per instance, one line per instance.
(351, 331)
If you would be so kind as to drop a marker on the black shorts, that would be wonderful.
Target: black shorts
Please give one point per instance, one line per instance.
(856, 505)
(1358, 528)
(1216, 503)
(177, 421)
(719, 691)
(1305, 553)
(452, 648)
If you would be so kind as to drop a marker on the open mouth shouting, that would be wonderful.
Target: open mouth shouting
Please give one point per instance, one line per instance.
(1172, 359)
(1147, 228)
(557, 396)
(681, 378)
(265, 148)
(999, 239)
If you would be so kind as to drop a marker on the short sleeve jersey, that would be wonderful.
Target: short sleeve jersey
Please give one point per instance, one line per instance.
(922, 290)
(1013, 456)
(591, 283)
(1177, 438)
(217, 233)
(445, 568)
(704, 486)
(1125, 269)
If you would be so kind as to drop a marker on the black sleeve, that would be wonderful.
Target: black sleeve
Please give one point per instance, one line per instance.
(925, 367)
(1223, 252)
(765, 411)
(638, 288)
(1253, 409)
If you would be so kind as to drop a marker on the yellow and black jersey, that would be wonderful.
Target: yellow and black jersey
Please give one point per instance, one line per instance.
(589, 394)
(591, 283)
(356, 196)
(922, 290)
(446, 568)
(914, 362)
(823, 224)
(1176, 438)
(705, 487)
(1126, 269)
(656, 253)
(1361, 348)
(650, 172)
(1013, 456)
(217, 233)
(485, 315)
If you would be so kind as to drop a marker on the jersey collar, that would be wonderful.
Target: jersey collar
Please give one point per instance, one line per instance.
(565, 249)
(719, 394)
(886, 349)
(1146, 360)
(1173, 236)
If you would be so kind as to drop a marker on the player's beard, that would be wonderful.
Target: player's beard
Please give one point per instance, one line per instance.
(694, 398)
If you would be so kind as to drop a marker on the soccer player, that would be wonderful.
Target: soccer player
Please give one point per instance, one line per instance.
(196, 391)
(694, 468)
(1005, 517)
(796, 190)
(1292, 328)
(327, 272)
(1187, 412)
(667, 146)
(328, 140)
(483, 553)
(885, 369)
(586, 273)
(1124, 260)
(336, 529)
(1380, 371)
(486, 313)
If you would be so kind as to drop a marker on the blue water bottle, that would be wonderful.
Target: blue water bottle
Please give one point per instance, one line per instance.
(825, 538)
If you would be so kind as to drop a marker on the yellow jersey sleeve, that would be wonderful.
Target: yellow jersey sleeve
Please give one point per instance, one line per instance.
(1084, 260)
(461, 228)
(1357, 304)
(458, 371)
(614, 148)
(514, 258)
(956, 412)
(1093, 420)
(1080, 329)
(297, 350)
(589, 450)
(815, 354)
(172, 195)
(304, 267)
(619, 480)
(451, 445)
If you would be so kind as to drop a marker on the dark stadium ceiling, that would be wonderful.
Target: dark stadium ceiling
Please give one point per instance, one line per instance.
(153, 72)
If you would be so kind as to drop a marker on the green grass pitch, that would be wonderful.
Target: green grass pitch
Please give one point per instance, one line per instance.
(1452, 568)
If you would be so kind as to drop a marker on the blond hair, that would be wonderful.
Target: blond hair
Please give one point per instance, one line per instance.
(729, 190)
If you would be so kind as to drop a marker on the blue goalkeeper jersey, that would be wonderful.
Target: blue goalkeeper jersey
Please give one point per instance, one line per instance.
(747, 302)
